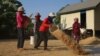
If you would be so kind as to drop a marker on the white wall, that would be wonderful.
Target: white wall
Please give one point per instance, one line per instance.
(90, 19)
(68, 19)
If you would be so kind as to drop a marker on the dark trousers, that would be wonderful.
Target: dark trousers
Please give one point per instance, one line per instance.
(36, 38)
(43, 37)
(20, 42)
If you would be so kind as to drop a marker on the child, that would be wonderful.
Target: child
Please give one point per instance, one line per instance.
(76, 30)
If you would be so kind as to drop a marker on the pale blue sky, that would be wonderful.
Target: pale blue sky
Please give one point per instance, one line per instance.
(45, 6)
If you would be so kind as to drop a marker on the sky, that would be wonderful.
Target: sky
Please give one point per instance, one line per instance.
(44, 7)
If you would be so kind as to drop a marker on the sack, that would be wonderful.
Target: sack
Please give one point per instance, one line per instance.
(26, 21)
(67, 40)
(31, 40)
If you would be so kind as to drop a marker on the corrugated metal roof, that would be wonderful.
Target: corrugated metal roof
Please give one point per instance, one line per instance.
(80, 6)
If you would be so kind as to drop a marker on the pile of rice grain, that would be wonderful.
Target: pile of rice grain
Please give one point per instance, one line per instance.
(87, 41)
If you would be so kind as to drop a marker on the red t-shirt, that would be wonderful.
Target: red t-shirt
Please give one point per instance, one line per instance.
(76, 28)
(22, 21)
(45, 25)
(19, 19)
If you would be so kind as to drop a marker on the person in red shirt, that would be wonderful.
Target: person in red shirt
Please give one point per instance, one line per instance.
(76, 30)
(22, 23)
(44, 30)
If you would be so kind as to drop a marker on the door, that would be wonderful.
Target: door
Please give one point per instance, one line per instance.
(83, 19)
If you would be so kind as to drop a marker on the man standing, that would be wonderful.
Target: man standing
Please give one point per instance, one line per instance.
(36, 28)
(22, 23)
(44, 30)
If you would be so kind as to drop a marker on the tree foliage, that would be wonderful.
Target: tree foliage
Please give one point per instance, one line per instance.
(7, 15)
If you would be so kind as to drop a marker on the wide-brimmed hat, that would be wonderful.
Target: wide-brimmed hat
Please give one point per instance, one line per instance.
(37, 14)
(20, 8)
(52, 14)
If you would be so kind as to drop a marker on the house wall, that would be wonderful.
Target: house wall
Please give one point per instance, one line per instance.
(97, 17)
(90, 19)
(68, 19)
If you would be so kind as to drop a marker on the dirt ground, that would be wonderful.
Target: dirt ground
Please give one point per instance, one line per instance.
(56, 48)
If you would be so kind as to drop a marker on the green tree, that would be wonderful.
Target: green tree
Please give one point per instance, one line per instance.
(7, 16)
(57, 19)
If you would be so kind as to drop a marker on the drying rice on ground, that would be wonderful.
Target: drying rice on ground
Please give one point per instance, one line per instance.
(87, 41)
(56, 48)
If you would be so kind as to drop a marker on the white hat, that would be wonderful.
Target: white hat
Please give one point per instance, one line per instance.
(37, 14)
(20, 8)
(52, 14)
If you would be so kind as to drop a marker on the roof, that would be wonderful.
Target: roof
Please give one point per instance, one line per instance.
(79, 6)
